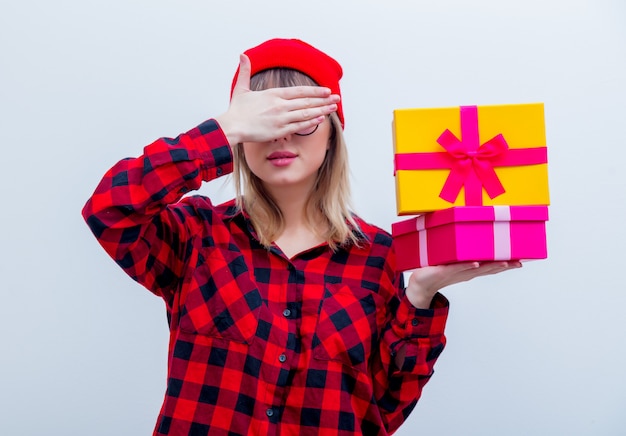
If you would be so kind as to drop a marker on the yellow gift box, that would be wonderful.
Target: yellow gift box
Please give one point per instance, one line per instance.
(470, 156)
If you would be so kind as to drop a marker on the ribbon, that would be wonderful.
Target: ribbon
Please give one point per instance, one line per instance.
(502, 233)
(471, 164)
(470, 156)
(420, 224)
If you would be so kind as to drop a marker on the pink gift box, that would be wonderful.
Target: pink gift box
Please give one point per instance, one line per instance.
(471, 233)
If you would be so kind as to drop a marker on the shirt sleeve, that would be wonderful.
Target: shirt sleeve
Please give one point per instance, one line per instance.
(417, 337)
(129, 210)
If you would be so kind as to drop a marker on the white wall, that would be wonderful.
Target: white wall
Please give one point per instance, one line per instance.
(537, 351)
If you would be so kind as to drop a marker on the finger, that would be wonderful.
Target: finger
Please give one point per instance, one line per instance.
(494, 268)
(462, 266)
(469, 270)
(303, 115)
(311, 102)
(502, 265)
(308, 123)
(443, 271)
(292, 92)
(243, 78)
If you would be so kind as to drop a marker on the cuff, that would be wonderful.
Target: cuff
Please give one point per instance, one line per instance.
(214, 150)
(411, 322)
(419, 335)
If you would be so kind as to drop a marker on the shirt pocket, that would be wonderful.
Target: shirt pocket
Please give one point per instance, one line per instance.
(223, 301)
(349, 324)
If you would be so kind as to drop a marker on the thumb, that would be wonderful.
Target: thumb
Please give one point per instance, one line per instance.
(243, 77)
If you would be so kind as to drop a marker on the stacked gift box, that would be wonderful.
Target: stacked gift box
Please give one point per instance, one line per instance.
(477, 179)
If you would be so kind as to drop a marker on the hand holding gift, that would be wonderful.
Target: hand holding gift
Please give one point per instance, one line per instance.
(425, 282)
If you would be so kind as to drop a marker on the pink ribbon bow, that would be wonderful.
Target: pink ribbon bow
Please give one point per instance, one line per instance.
(472, 161)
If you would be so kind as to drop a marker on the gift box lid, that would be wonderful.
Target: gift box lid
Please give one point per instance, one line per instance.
(470, 214)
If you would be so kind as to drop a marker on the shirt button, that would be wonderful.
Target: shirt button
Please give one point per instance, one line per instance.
(219, 171)
(269, 412)
(286, 313)
(282, 358)
(414, 322)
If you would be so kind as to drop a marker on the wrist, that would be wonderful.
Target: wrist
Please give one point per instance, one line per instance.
(421, 302)
(419, 297)
(228, 129)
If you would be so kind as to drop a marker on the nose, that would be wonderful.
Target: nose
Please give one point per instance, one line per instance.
(286, 137)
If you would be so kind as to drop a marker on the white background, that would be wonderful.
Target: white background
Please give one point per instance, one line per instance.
(536, 351)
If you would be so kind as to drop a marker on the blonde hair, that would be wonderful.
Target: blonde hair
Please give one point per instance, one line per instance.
(330, 196)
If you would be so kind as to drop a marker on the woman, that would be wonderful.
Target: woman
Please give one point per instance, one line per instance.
(286, 312)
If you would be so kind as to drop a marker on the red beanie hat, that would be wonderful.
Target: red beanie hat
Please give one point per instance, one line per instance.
(300, 56)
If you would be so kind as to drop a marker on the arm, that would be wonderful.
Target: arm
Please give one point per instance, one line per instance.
(128, 211)
(414, 337)
(411, 342)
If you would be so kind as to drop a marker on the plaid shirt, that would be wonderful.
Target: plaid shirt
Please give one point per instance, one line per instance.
(260, 343)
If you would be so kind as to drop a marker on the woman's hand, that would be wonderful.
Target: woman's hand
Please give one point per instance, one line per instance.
(425, 282)
(259, 116)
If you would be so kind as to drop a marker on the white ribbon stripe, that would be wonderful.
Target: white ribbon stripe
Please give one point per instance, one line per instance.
(502, 233)
(420, 224)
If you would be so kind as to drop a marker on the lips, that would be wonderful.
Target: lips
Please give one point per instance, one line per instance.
(281, 158)
(281, 155)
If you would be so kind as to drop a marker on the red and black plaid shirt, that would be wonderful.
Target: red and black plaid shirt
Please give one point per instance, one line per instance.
(260, 343)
